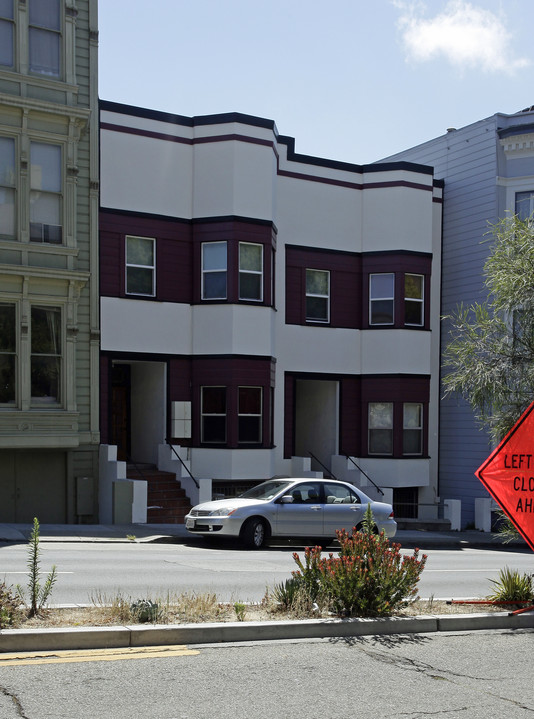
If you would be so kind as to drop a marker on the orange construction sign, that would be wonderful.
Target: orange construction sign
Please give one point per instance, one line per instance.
(508, 475)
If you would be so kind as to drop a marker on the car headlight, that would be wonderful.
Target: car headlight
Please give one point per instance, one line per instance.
(223, 512)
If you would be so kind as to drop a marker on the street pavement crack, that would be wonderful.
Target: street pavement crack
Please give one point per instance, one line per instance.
(16, 702)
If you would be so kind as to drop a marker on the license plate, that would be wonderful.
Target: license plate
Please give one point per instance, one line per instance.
(189, 523)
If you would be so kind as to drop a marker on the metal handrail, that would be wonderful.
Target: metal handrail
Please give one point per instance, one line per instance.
(329, 471)
(365, 474)
(182, 463)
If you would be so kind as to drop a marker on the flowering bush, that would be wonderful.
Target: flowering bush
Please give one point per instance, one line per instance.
(369, 577)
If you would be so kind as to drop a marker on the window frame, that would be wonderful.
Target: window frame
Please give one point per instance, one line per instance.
(48, 193)
(406, 429)
(259, 416)
(52, 32)
(211, 270)
(315, 295)
(133, 265)
(5, 186)
(390, 429)
(413, 300)
(10, 23)
(47, 400)
(13, 354)
(384, 298)
(258, 273)
(528, 194)
(204, 414)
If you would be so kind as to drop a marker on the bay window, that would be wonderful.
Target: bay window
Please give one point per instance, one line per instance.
(213, 415)
(140, 266)
(381, 428)
(524, 204)
(249, 415)
(250, 271)
(381, 298)
(412, 428)
(317, 295)
(214, 270)
(45, 193)
(413, 299)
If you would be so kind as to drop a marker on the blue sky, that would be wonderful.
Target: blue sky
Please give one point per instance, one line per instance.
(352, 80)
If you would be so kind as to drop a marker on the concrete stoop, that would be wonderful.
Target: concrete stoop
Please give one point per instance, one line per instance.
(27, 640)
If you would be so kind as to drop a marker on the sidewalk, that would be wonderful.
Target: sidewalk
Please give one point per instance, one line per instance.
(15, 533)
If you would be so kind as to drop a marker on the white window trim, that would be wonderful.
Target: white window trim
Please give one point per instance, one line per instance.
(381, 299)
(391, 429)
(213, 414)
(320, 296)
(247, 414)
(419, 429)
(212, 271)
(251, 272)
(145, 267)
(416, 299)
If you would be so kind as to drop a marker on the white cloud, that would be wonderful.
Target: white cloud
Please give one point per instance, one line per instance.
(466, 35)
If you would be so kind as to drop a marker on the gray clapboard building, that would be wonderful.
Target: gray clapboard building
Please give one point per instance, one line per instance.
(49, 322)
(488, 168)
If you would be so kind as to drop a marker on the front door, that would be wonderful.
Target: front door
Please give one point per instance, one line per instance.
(120, 410)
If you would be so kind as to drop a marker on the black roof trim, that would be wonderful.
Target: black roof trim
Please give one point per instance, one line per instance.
(515, 130)
(189, 221)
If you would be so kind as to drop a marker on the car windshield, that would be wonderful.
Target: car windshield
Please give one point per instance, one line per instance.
(266, 490)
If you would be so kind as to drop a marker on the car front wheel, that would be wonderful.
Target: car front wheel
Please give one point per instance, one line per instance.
(254, 533)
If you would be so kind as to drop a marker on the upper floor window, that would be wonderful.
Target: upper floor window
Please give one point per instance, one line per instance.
(7, 187)
(7, 34)
(381, 428)
(8, 354)
(45, 193)
(250, 271)
(413, 299)
(249, 415)
(317, 295)
(45, 37)
(45, 355)
(214, 270)
(213, 415)
(524, 204)
(381, 298)
(140, 266)
(412, 428)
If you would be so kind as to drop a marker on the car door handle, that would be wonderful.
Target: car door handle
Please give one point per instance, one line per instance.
(355, 508)
(315, 507)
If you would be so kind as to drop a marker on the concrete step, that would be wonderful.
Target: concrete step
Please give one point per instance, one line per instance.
(427, 525)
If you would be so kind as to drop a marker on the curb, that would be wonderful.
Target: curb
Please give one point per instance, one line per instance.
(13, 640)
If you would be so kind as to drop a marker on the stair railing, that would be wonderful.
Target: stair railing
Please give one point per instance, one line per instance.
(182, 463)
(327, 469)
(365, 475)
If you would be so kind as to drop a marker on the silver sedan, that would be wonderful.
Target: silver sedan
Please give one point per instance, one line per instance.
(313, 508)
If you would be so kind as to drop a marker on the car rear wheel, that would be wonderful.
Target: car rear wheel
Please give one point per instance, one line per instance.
(254, 533)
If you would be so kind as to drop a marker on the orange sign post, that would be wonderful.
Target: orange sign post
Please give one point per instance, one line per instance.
(508, 475)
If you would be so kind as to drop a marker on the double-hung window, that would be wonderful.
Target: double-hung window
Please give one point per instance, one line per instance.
(250, 271)
(249, 415)
(140, 266)
(381, 428)
(45, 193)
(7, 34)
(317, 295)
(46, 355)
(214, 270)
(524, 204)
(45, 37)
(8, 354)
(213, 415)
(412, 428)
(7, 187)
(381, 298)
(413, 300)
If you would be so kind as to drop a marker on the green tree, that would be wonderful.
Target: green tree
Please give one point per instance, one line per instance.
(489, 360)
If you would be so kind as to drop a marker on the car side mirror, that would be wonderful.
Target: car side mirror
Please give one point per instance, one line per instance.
(287, 499)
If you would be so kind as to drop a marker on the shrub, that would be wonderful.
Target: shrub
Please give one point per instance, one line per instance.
(145, 610)
(369, 577)
(10, 606)
(38, 593)
(511, 586)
